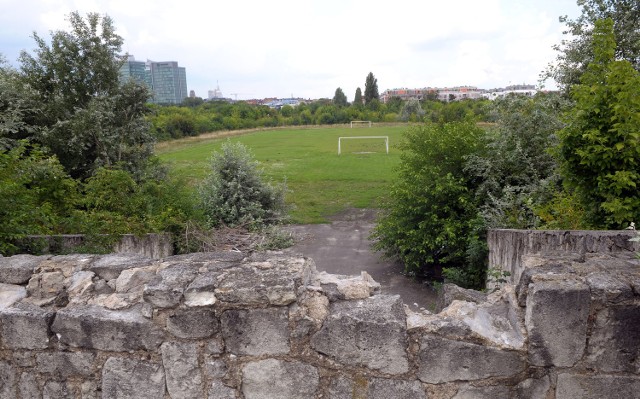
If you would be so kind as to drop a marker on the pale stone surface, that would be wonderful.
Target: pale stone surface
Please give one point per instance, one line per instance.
(193, 323)
(614, 344)
(66, 364)
(166, 291)
(28, 386)
(80, 283)
(134, 279)
(57, 390)
(215, 368)
(339, 287)
(129, 378)
(346, 388)
(277, 379)
(369, 332)
(556, 319)
(574, 386)
(451, 292)
(382, 388)
(201, 292)
(497, 320)
(256, 332)
(444, 360)
(183, 376)
(99, 328)
(8, 380)
(489, 392)
(10, 294)
(18, 269)
(109, 267)
(25, 326)
(533, 388)
(219, 391)
(46, 285)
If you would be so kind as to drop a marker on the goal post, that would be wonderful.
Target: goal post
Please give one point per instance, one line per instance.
(385, 138)
(358, 122)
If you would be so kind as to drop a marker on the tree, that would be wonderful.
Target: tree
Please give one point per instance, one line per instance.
(88, 118)
(357, 99)
(600, 145)
(412, 111)
(371, 89)
(575, 54)
(432, 205)
(340, 99)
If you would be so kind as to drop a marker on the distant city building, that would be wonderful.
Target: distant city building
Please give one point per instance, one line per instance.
(279, 103)
(136, 71)
(192, 94)
(456, 93)
(215, 94)
(166, 80)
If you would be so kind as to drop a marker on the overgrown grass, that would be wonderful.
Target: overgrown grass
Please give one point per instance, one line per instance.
(321, 183)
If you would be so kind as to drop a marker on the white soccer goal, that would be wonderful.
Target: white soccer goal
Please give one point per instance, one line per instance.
(359, 122)
(385, 138)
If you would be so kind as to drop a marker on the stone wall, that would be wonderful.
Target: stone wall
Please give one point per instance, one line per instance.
(226, 326)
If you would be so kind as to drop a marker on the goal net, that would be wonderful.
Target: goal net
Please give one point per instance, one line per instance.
(363, 144)
(360, 124)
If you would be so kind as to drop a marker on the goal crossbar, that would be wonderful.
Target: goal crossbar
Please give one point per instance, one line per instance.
(386, 141)
(363, 122)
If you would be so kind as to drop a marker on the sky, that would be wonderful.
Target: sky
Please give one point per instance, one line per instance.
(308, 48)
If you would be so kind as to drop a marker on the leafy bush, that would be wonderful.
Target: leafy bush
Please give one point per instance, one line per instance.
(432, 208)
(234, 193)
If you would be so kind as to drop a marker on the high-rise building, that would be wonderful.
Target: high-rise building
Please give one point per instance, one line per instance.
(168, 82)
(136, 70)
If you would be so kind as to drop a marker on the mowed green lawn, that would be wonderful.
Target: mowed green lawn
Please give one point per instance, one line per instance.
(321, 182)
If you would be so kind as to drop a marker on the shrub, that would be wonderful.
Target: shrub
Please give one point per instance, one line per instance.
(235, 193)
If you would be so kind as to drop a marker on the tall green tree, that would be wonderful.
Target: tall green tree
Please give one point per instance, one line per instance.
(340, 99)
(371, 89)
(574, 53)
(600, 146)
(88, 119)
(357, 99)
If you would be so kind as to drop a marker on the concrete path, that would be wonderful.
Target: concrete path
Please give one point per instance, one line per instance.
(343, 247)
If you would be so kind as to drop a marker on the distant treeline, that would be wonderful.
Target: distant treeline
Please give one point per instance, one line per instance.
(196, 117)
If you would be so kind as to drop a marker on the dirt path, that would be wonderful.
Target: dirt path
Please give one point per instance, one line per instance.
(343, 247)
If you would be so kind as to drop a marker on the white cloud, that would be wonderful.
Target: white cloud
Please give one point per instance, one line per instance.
(310, 47)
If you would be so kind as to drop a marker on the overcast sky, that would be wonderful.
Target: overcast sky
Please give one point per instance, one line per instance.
(308, 48)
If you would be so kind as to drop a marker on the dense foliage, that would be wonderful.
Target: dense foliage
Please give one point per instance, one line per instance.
(600, 146)
(234, 193)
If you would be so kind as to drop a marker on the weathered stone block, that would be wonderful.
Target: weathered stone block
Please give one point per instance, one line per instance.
(19, 268)
(452, 292)
(382, 388)
(574, 386)
(109, 267)
(58, 390)
(556, 320)
(201, 291)
(66, 364)
(444, 360)
(98, 328)
(369, 332)
(167, 289)
(28, 387)
(256, 332)
(184, 377)
(8, 380)
(46, 285)
(533, 388)
(614, 344)
(25, 326)
(219, 391)
(129, 378)
(277, 379)
(193, 323)
(489, 392)
(346, 388)
(273, 281)
(10, 294)
(215, 368)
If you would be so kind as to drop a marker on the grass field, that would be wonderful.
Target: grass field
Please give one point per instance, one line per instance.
(321, 183)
